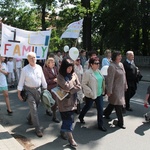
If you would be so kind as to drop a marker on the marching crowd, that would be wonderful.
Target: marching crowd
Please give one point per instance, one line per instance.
(81, 79)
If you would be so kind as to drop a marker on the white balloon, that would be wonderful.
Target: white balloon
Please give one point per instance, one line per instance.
(66, 48)
(104, 70)
(73, 53)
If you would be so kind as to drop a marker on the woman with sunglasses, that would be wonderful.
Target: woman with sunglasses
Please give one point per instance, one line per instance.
(93, 87)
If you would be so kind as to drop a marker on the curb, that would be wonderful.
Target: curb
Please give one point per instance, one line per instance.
(7, 141)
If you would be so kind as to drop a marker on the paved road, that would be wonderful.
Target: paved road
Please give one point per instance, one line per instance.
(135, 136)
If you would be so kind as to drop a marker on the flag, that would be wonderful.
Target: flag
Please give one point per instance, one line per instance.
(73, 30)
(17, 42)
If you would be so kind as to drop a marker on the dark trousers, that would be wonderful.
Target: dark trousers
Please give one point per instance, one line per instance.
(129, 94)
(118, 109)
(99, 106)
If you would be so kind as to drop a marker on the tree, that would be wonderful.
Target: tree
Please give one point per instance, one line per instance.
(123, 25)
(12, 13)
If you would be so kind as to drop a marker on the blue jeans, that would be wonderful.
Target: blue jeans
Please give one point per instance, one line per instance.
(67, 121)
(99, 106)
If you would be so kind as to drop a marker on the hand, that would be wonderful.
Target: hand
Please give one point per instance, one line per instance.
(145, 103)
(20, 97)
(108, 94)
(55, 80)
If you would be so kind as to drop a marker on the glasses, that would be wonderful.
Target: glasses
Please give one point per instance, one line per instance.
(96, 63)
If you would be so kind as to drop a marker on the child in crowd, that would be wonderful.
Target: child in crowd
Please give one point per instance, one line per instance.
(11, 76)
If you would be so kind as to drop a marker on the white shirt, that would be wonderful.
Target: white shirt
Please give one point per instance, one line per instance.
(18, 63)
(32, 77)
(3, 81)
(10, 66)
(79, 71)
(130, 62)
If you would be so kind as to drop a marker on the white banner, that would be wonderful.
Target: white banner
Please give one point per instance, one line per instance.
(73, 30)
(17, 42)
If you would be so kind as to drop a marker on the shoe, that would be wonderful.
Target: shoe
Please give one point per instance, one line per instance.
(73, 144)
(129, 109)
(29, 121)
(82, 120)
(102, 128)
(145, 116)
(9, 112)
(63, 135)
(106, 116)
(39, 133)
(55, 120)
(48, 113)
(121, 126)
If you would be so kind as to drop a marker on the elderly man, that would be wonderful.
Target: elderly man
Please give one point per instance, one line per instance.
(131, 77)
(31, 79)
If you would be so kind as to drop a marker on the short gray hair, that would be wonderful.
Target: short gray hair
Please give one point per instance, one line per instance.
(31, 54)
(129, 52)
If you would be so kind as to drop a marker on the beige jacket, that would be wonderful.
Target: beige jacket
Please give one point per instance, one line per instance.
(116, 84)
(90, 84)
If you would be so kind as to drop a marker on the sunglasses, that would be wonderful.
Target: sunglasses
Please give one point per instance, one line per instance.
(96, 63)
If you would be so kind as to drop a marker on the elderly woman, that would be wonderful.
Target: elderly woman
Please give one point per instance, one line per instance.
(106, 61)
(50, 73)
(116, 87)
(69, 82)
(93, 88)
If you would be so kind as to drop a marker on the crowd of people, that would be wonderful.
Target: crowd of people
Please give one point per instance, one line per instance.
(82, 79)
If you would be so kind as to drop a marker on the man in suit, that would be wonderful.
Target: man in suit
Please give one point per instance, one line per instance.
(131, 77)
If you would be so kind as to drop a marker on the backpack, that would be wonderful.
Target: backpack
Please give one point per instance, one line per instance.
(47, 99)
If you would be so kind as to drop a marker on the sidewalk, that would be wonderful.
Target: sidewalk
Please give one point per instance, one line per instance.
(7, 142)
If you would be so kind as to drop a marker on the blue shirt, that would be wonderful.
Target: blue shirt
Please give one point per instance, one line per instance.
(105, 62)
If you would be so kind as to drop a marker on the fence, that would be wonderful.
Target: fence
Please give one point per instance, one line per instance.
(140, 61)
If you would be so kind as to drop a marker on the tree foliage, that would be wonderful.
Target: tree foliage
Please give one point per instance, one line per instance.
(12, 13)
(117, 24)
(121, 25)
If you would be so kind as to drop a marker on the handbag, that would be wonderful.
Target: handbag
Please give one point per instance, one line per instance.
(139, 76)
(24, 95)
